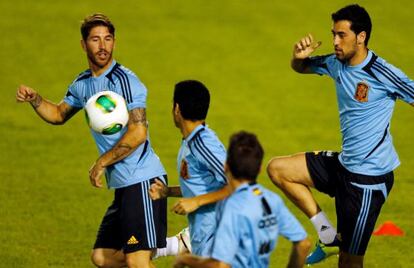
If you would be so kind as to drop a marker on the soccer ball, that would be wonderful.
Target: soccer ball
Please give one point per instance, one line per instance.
(106, 112)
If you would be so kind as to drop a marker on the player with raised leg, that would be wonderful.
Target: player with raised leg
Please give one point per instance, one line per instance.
(360, 177)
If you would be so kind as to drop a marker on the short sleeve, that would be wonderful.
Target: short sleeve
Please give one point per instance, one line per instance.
(397, 83)
(72, 97)
(289, 226)
(322, 65)
(212, 154)
(138, 98)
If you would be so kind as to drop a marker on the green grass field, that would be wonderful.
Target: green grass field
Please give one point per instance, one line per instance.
(49, 213)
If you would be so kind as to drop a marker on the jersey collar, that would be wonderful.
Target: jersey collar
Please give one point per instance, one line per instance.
(195, 131)
(364, 63)
(245, 186)
(110, 67)
(109, 70)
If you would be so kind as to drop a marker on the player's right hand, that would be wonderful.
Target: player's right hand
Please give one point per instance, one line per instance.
(25, 94)
(158, 190)
(95, 174)
(305, 47)
(185, 206)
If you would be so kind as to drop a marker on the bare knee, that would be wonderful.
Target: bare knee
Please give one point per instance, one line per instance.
(275, 169)
(103, 257)
(347, 260)
(98, 258)
(289, 169)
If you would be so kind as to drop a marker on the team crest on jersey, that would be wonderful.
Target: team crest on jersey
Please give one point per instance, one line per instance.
(184, 170)
(361, 92)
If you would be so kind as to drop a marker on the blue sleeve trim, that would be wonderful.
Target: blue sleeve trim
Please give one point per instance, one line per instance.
(84, 75)
(319, 62)
(209, 156)
(393, 78)
(125, 86)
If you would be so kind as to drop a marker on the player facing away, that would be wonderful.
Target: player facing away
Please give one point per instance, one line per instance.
(359, 177)
(251, 218)
(133, 224)
(200, 165)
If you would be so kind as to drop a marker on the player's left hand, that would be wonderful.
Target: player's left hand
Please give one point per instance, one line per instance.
(185, 205)
(95, 174)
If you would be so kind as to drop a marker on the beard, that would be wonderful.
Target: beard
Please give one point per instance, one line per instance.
(345, 56)
(101, 58)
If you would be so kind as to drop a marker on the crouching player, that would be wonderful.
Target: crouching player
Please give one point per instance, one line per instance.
(251, 218)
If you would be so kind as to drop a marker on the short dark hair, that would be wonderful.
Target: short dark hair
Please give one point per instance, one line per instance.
(94, 20)
(193, 99)
(244, 156)
(359, 18)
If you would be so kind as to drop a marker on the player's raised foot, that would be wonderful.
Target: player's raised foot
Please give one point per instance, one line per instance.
(322, 251)
(177, 244)
(184, 242)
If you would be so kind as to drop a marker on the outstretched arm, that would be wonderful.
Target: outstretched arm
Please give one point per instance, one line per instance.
(184, 206)
(50, 112)
(135, 135)
(188, 205)
(301, 52)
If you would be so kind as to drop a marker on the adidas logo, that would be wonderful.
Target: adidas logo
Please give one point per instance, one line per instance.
(324, 228)
(132, 241)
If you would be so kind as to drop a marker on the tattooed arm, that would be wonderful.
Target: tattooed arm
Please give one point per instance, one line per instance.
(52, 113)
(133, 137)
